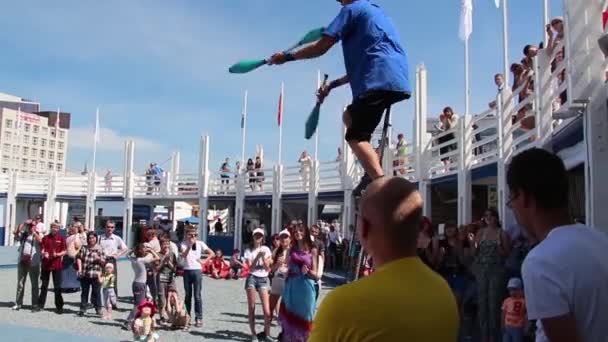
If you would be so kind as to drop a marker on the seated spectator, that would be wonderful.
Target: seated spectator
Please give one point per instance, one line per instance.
(237, 265)
(220, 268)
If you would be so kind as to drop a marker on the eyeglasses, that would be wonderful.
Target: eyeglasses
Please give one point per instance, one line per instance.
(109, 227)
(192, 235)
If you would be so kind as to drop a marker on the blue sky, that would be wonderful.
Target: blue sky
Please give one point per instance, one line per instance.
(158, 70)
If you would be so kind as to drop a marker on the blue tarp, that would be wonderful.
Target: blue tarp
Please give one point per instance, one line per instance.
(191, 219)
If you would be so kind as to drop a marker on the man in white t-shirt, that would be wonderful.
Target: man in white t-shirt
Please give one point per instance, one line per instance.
(113, 247)
(566, 274)
(191, 251)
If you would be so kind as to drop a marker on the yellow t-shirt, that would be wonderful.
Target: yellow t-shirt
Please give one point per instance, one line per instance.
(402, 301)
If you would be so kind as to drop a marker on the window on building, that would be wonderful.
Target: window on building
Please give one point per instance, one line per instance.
(51, 166)
(60, 145)
(32, 164)
(36, 129)
(26, 139)
(52, 143)
(26, 150)
(27, 127)
(9, 136)
(59, 156)
(45, 131)
(34, 152)
(6, 159)
(41, 165)
(15, 149)
(35, 141)
(42, 153)
(43, 142)
(8, 123)
(24, 163)
(61, 134)
(51, 155)
(59, 167)
(6, 148)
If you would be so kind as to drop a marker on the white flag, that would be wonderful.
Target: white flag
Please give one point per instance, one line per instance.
(497, 2)
(466, 19)
(96, 137)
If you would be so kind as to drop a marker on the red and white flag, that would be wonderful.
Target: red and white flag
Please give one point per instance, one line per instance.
(280, 112)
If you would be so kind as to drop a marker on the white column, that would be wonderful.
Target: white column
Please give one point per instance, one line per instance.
(89, 211)
(277, 192)
(203, 186)
(465, 196)
(421, 139)
(587, 79)
(313, 192)
(51, 199)
(127, 221)
(239, 209)
(347, 168)
(10, 209)
(501, 184)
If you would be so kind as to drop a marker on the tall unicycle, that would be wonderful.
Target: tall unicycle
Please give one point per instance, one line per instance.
(363, 257)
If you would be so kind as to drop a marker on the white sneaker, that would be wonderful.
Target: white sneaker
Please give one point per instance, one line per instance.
(16, 307)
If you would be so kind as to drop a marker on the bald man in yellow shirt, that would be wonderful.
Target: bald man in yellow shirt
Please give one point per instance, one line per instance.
(403, 300)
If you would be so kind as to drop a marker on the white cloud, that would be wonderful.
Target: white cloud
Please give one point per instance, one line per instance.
(110, 140)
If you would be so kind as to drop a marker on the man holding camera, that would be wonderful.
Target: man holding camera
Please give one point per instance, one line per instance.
(28, 262)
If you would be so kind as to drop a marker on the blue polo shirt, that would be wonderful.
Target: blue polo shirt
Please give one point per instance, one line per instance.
(373, 56)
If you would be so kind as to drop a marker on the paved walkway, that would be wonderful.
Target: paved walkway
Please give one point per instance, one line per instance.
(224, 310)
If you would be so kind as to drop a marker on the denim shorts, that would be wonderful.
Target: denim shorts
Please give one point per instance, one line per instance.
(257, 282)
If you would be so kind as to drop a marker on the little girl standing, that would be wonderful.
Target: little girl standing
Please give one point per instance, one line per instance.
(107, 290)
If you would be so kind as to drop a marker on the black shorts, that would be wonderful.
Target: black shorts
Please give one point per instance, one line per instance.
(366, 112)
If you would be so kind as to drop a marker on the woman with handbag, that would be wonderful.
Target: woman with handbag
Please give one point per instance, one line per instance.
(69, 280)
(29, 262)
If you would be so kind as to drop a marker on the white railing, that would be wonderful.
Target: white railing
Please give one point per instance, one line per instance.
(484, 131)
(296, 179)
(222, 186)
(4, 182)
(148, 185)
(329, 177)
(110, 186)
(72, 185)
(185, 184)
(404, 165)
(32, 184)
(444, 154)
(259, 181)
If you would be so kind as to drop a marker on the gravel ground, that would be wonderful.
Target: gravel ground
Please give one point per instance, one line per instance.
(224, 313)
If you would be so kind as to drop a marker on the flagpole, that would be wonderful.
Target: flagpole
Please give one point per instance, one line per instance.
(546, 20)
(466, 77)
(243, 130)
(95, 139)
(57, 139)
(281, 123)
(505, 42)
(18, 130)
(318, 128)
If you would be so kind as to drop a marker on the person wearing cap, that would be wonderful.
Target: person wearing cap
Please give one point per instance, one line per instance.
(259, 258)
(371, 309)
(514, 316)
(280, 269)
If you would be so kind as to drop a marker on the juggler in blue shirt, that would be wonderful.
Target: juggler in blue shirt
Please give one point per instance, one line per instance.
(373, 56)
